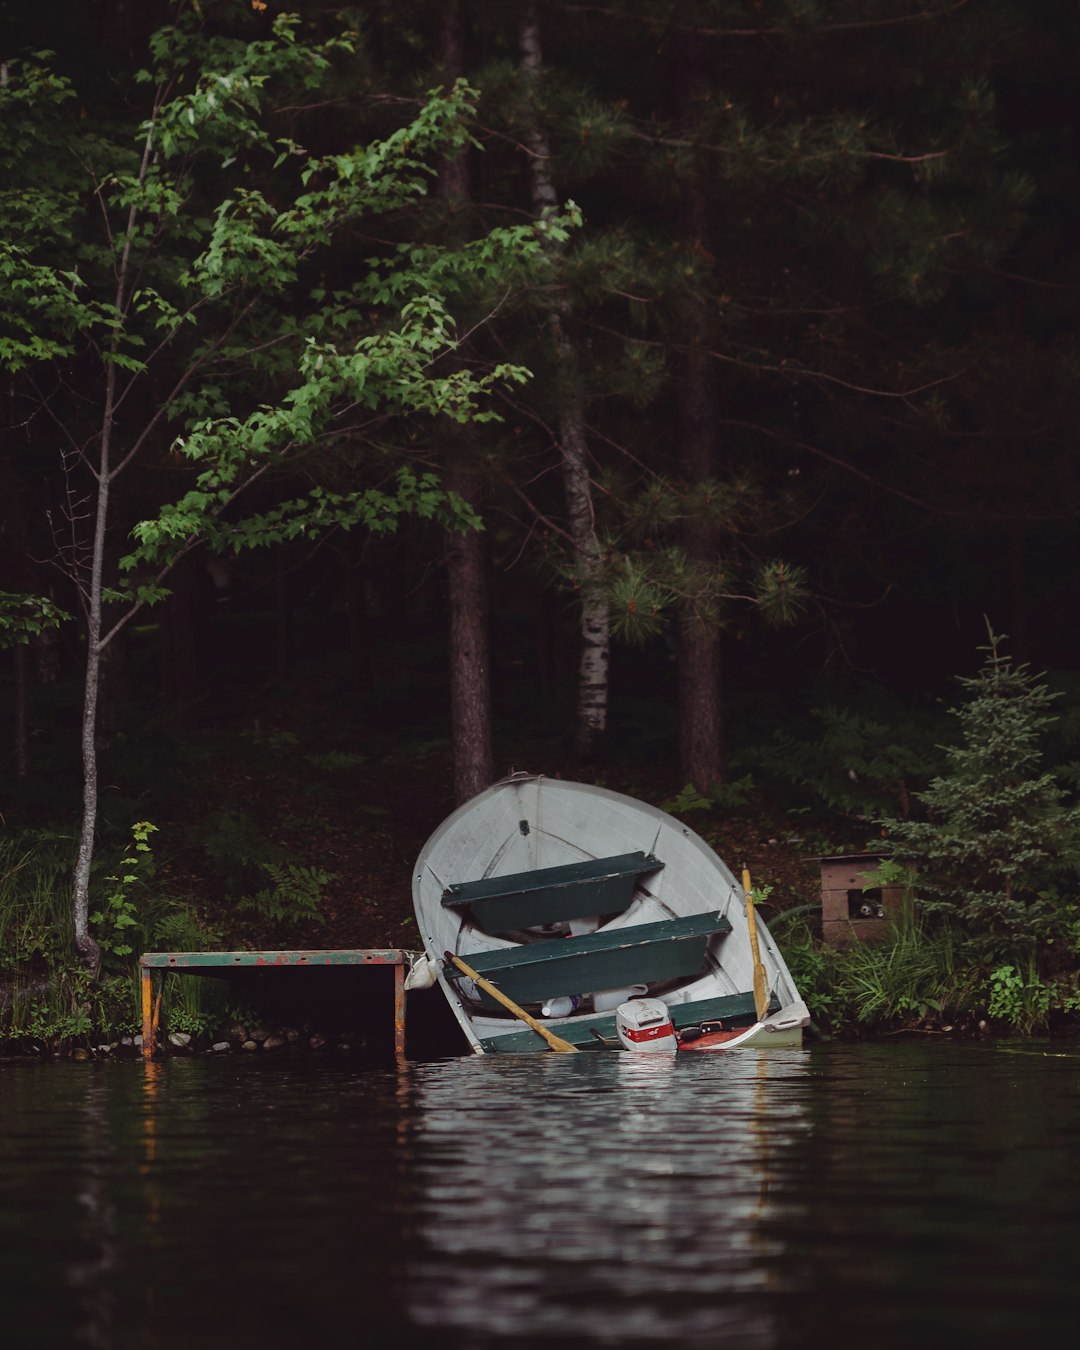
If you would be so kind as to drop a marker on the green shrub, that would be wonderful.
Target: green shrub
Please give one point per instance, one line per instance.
(998, 836)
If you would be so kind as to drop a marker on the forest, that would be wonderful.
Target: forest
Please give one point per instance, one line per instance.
(677, 396)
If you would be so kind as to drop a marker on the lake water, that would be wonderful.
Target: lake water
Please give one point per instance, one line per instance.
(886, 1195)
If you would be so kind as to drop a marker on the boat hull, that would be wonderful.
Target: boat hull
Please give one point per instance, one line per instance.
(784, 1031)
(530, 848)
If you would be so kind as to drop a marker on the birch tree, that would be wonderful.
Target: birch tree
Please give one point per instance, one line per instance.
(595, 621)
(175, 291)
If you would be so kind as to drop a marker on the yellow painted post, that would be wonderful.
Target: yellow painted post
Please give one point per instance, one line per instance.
(148, 1028)
(399, 1009)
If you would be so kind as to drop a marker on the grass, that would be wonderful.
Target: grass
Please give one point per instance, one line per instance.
(912, 975)
(48, 1001)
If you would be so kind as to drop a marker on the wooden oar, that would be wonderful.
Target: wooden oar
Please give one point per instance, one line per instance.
(556, 1042)
(761, 993)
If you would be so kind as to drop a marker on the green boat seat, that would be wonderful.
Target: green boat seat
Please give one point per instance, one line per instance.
(734, 1010)
(551, 894)
(609, 959)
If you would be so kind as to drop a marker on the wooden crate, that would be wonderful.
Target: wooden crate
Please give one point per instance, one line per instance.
(845, 902)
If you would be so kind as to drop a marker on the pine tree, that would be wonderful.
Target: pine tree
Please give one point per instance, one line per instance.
(998, 833)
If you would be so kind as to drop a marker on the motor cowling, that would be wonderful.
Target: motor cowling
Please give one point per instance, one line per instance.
(644, 1024)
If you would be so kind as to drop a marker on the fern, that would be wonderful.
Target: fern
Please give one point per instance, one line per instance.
(293, 896)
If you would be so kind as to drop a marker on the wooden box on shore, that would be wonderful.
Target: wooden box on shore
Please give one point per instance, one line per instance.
(849, 909)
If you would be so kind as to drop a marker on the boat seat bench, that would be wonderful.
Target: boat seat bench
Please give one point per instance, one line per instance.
(548, 895)
(609, 959)
(734, 1010)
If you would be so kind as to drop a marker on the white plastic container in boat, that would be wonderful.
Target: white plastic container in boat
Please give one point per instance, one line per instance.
(563, 1006)
(644, 1024)
(604, 1000)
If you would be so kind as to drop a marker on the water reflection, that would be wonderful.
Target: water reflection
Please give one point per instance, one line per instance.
(619, 1199)
(88, 1275)
(891, 1194)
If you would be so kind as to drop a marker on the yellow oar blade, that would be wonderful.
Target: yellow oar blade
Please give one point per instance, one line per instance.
(556, 1042)
(761, 990)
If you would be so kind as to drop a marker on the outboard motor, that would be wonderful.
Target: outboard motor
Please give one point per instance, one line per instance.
(645, 1024)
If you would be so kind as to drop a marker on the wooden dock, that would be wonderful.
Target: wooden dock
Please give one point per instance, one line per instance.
(154, 966)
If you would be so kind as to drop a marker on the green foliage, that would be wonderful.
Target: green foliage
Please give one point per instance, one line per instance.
(813, 968)
(34, 923)
(998, 832)
(23, 617)
(685, 800)
(74, 1008)
(1023, 1002)
(907, 975)
(638, 604)
(178, 929)
(781, 592)
(263, 365)
(912, 974)
(890, 873)
(721, 796)
(293, 896)
(46, 996)
(189, 1002)
(647, 574)
(235, 844)
(117, 912)
(862, 759)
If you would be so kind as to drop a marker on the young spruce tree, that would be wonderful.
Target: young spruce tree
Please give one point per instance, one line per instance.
(998, 835)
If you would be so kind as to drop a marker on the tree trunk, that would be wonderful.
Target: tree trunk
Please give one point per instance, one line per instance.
(573, 445)
(87, 947)
(470, 681)
(701, 731)
(470, 657)
(701, 735)
(453, 169)
(85, 944)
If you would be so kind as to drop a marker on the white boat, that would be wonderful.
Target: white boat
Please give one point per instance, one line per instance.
(573, 901)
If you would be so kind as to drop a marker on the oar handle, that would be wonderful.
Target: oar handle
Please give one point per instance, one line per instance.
(761, 992)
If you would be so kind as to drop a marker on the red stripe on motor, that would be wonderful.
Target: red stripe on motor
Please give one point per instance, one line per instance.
(649, 1033)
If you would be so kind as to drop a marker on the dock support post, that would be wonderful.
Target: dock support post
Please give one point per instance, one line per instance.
(399, 1010)
(151, 1012)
